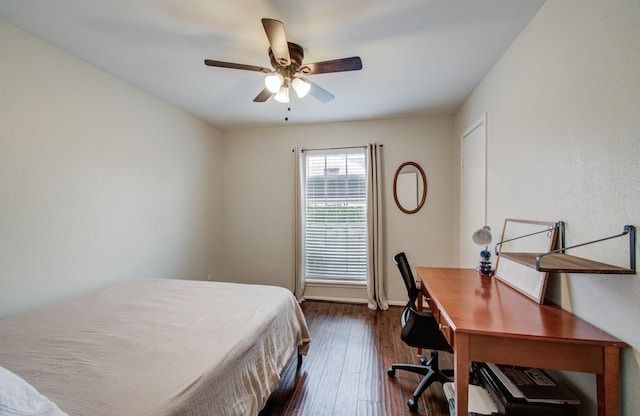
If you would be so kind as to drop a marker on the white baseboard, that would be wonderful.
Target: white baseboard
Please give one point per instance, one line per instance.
(339, 300)
(396, 303)
(351, 300)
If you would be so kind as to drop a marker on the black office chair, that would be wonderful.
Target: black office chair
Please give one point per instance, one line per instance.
(420, 330)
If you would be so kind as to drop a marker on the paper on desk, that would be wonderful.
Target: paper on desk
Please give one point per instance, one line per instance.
(479, 400)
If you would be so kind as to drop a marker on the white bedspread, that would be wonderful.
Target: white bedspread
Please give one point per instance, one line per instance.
(158, 347)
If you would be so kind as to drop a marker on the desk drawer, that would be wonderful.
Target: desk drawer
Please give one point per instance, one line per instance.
(445, 327)
(433, 308)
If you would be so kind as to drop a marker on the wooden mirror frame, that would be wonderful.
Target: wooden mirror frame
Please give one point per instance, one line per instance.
(424, 188)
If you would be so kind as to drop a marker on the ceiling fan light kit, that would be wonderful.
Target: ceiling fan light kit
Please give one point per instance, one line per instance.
(301, 87)
(286, 60)
(283, 95)
(273, 82)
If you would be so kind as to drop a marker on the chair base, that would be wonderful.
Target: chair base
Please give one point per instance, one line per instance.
(431, 372)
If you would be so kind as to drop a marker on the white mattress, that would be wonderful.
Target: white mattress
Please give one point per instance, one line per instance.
(158, 347)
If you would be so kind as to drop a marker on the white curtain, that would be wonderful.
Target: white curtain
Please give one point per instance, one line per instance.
(375, 282)
(298, 286)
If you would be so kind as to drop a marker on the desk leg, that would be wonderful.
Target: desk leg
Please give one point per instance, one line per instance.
(461, 375)
(608, 384)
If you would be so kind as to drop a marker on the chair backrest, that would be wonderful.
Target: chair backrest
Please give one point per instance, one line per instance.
(405, 270)
(419, 329)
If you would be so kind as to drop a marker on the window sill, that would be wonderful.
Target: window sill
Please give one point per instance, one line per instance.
(335, 283)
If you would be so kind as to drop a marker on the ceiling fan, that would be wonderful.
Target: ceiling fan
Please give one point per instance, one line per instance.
(286, 60)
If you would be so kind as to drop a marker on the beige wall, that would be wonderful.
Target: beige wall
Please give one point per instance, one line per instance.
(259, 201)
(99, 182)
(563, 144)
(102, 183)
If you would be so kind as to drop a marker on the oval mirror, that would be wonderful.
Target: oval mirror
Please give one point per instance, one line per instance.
(409, 187)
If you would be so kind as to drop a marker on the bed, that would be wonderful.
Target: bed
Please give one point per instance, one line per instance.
(158, 347)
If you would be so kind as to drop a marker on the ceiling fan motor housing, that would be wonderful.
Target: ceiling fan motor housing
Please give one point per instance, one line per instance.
(296, 54)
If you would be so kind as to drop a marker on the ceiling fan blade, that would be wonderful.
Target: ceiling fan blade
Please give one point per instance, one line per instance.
(263, 96)
(221, 64)
(278, 40)
(353, 63)
(319, 92)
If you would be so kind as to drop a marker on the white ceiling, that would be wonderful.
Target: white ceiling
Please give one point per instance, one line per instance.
(420, 57)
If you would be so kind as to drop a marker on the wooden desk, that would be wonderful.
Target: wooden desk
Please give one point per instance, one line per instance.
(486, 320)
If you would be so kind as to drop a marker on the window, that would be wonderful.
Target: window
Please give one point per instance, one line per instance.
(335, 215)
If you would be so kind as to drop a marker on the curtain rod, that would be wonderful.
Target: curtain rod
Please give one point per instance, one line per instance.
(338, 148)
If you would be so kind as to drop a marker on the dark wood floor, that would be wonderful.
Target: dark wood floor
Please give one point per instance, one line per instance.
(345, 372)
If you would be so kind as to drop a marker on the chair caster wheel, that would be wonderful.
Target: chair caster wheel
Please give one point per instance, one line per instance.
(413, 406)
(391, 373)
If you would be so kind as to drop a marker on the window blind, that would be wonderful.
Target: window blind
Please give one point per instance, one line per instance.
(335, 215)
